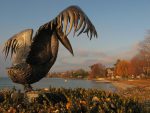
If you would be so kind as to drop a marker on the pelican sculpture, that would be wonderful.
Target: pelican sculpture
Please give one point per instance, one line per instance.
(32, 58)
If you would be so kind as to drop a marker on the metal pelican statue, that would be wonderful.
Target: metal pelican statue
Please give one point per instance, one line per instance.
(32, 58)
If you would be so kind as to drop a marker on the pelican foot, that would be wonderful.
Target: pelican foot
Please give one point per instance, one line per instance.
(28, 87)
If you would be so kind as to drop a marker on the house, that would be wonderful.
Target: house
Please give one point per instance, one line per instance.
(110, 72)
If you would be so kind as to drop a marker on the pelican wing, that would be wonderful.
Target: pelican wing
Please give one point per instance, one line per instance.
(61, 26)
(41, 51)
(19, 46)
(74, 17)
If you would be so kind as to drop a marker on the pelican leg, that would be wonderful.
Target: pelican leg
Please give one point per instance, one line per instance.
(28, 87)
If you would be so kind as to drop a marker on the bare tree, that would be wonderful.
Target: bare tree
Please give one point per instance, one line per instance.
(144, 53)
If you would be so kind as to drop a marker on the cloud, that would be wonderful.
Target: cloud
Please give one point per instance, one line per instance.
(86, 53)
(128, 54)
(84, 58)
(80, 56)
(78, 63)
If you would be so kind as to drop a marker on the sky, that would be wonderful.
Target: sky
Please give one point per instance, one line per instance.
(120, 24)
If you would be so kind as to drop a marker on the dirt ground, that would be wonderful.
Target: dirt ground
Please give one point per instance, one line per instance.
(125, 84)
(138, 83)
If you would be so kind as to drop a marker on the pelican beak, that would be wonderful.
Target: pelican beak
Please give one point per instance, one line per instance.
(65, 42)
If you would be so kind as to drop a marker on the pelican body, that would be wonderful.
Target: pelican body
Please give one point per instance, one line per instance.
(32, 58)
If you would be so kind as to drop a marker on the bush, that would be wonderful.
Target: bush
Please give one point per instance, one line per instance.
(73, 101)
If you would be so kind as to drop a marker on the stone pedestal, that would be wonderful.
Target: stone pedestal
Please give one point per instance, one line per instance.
(31, 96)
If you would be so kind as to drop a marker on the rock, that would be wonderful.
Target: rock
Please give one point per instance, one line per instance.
(32, 95)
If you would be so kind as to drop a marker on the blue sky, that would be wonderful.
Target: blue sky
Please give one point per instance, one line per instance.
(120, 24)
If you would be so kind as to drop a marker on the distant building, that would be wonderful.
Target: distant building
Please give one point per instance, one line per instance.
(110, 72)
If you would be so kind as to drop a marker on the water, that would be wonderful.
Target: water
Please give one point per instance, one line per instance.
(59, 82)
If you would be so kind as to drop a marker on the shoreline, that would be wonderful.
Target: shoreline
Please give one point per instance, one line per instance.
(125, 84)
(121, 86)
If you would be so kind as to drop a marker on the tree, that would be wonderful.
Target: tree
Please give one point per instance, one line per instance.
(137, 64)
(98, 70)
(144, 47)
(118, 60)
(122, 68)
(80, 73)
(144, 54)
